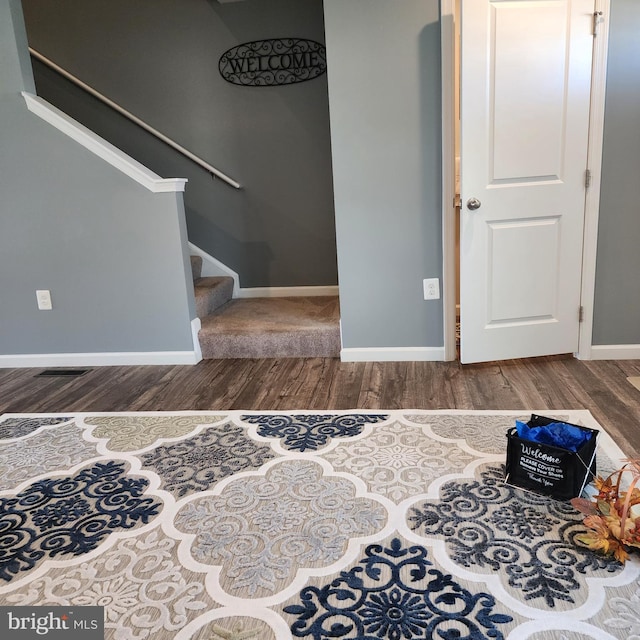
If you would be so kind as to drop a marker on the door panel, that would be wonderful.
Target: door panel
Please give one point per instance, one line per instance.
(525, 92)
(529, 52)
(513, 250)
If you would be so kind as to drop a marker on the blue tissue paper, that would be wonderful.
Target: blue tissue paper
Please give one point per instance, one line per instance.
(558, 434)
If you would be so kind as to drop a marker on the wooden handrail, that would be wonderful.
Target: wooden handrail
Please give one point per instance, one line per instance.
(96, 94)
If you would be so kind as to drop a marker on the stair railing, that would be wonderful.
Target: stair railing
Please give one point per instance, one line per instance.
(127, 114)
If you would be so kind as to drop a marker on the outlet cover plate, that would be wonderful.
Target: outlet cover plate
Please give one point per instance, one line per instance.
(44, 299)
(431, 288)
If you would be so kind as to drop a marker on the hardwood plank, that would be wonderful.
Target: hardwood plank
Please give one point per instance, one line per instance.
(324, 371)
(345, 386)
(428, 385)
(553, 383)
(309, 386)
(619, 419)
(52, 394)
(223, 384)
(270, 385)
(113, 390)
(11, 377)
(489, 388)
(370, 391)
(176, 388)
(461, 395)
(26, 391)
(263, 386)
(532, 391)
(393, 385)
(299, 390)
(159, 389)
(629, 368)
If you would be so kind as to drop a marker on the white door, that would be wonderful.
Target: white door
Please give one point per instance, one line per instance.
(525, 93)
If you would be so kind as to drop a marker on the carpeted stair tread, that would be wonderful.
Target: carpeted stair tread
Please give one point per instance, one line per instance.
(196, 267)
(273, 328)
(211, 293)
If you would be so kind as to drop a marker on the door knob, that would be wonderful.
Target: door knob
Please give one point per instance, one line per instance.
(473, 204)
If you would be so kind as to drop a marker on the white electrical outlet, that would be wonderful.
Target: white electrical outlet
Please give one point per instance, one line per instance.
(431, 288)
(44, 299)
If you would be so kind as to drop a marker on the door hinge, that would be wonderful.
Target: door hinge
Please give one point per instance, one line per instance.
(581, 314)
(587, 178)
(596, 21)
(457, 201)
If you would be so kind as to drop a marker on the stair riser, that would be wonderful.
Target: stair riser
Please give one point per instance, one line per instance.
(325, 345)
(196, 267)
(211, 294)
(296, 327)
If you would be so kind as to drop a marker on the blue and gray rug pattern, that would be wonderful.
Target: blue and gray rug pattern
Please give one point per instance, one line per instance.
(360, 525)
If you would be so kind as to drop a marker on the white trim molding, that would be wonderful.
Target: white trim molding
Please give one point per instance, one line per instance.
(101, 148)
(213, 267)
(592, 201)
(392, 354)
(196, 325)
(594, 164)
(286, 292)
(615, 352)
(110, 359)
(127, 114)
(447, 35)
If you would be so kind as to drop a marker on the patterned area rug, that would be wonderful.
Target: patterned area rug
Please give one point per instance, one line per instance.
(236, 525)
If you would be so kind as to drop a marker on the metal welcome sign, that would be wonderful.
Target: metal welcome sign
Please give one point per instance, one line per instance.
(274, 62)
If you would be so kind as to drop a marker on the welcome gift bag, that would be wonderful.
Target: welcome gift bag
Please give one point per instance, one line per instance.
(551, 469)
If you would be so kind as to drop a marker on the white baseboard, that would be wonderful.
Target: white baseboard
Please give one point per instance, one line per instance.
(393, 354)
(213, 267)
(615, 352)
(41, 360)
(196, 325)
(284, 292)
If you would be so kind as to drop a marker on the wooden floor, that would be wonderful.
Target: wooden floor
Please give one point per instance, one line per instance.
(559, 382)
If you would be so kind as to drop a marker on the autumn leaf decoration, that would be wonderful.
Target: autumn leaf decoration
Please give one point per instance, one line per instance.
(613, 516)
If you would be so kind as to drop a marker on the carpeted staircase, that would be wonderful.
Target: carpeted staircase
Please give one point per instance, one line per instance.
(300, 327)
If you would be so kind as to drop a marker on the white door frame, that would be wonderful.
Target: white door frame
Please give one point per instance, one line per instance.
(592, 201)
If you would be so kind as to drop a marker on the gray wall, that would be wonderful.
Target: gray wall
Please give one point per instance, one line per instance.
(617, 296)
(159, 60)
(110, 252)
(384, 90)
(384, 96)
(384, 82)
